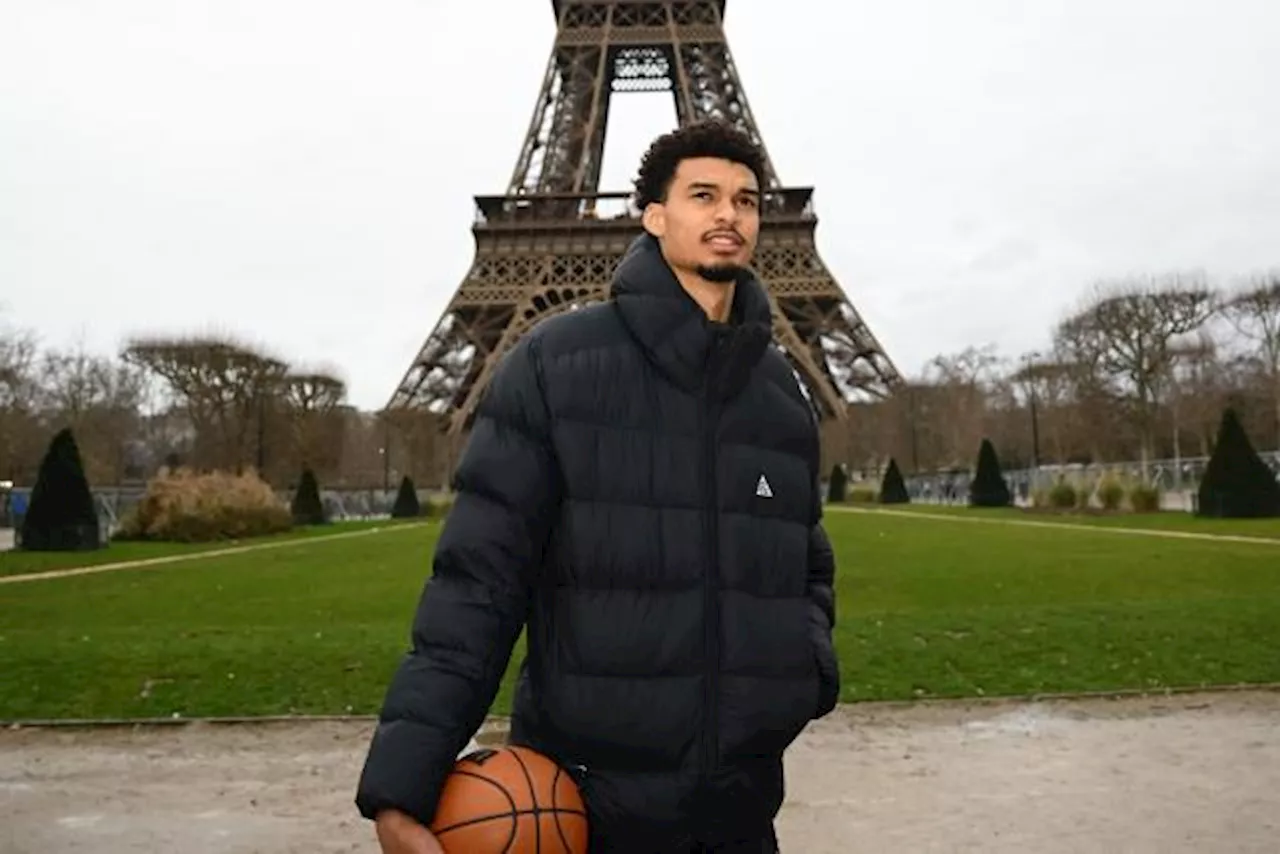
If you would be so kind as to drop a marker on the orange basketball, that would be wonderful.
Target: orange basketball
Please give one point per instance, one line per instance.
(510, 800)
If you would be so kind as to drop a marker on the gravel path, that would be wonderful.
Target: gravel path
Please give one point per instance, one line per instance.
(1194, 772)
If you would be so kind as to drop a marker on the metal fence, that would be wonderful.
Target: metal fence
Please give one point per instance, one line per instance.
(1177, 480)
(115, 503)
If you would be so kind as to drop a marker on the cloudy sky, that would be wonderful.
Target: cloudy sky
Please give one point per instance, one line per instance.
(299, 172)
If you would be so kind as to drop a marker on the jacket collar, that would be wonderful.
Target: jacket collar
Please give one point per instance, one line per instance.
(675, 333)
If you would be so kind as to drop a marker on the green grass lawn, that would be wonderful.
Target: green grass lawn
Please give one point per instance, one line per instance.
(927, 608)
(1164, 521)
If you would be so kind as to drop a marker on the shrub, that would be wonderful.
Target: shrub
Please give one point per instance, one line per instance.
(1237, 483)
(838, 484)
(307, 507)
(1063, 496)
(182, 506)
(1110, 494)
(989, 488)
(61, 515)
(438, 507)
(1144, 499)
(863, 495)
(407, 505)
(892, 488)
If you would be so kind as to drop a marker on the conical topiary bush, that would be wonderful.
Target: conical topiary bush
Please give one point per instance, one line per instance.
(893, 490)
(989, 488)
(61, 516)
(1237, 483)
(307, 507)
(838, 485)
(407, 505)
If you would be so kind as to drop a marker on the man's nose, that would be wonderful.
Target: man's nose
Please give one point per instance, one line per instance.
(726, 212)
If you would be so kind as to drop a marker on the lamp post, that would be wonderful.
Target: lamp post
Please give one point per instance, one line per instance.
(385, 451)
(915, 439)
(1035, 433)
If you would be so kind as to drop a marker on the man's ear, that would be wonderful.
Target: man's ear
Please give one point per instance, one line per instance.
(654, 219)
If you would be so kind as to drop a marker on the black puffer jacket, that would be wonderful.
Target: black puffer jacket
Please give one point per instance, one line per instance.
(640, 488)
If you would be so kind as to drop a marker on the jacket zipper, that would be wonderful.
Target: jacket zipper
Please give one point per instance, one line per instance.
(710, 579)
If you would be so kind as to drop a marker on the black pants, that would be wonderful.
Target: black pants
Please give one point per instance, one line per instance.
(766, 845)
(758, 840)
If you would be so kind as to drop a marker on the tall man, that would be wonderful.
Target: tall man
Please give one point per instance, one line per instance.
(640, 491)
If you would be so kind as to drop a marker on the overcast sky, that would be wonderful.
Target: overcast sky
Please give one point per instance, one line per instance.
(299, 172)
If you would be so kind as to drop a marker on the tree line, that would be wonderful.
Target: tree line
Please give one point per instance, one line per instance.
(1141, 369)
(209, 403)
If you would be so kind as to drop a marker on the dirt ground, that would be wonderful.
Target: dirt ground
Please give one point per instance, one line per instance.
(1196, 772)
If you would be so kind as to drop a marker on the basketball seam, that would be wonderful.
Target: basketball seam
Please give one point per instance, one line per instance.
(515, 822)
(513, 814)
(480, 819)
(533, 797)
(555, 789)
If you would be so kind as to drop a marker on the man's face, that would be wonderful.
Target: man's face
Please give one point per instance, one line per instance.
(710, 220)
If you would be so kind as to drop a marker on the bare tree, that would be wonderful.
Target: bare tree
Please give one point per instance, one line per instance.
(74, 382)
(312, 401)
(1254, 312)
(100, 399)
(19, 400)
(1130, 332)
(1190, 395)
(419, 446)
(972, 366)
(1044, 384)
(224, 386)
(957, 404)
(874, 431)
(361, 450)
(18, 350)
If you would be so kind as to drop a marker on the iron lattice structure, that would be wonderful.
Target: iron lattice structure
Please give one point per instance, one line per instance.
(551, 242)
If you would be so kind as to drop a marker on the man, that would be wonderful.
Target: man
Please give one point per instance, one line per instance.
(640, 491)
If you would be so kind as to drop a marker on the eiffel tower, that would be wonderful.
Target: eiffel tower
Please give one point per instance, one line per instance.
(551, 242)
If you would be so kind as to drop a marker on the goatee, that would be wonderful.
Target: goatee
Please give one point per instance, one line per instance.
(722, 273)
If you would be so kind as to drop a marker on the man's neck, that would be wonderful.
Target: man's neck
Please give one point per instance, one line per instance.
(715, 298)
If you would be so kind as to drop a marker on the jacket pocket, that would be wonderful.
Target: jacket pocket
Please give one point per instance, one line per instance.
(828, 676)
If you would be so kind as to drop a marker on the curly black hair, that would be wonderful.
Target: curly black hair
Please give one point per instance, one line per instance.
(707, 138)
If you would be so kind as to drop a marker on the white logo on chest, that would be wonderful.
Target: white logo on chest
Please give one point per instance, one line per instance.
(762, 488)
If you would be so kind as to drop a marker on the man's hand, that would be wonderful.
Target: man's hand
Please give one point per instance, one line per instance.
(399, 833)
